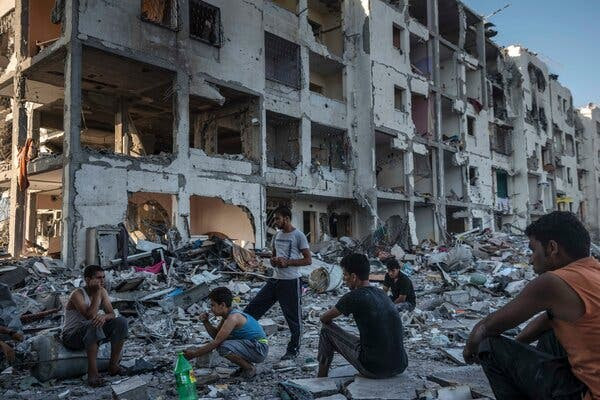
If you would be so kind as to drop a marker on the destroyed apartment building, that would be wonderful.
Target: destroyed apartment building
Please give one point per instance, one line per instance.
(204, 116)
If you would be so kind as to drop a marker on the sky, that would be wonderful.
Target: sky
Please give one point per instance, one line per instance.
(564, 33)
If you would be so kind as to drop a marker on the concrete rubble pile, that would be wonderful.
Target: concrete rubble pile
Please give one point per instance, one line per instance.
(162, 288)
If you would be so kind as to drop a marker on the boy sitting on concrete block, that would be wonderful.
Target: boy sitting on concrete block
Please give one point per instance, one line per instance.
(238, 337)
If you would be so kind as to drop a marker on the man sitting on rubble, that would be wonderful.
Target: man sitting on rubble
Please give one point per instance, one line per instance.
(85, 327)
(403, 293)
(379, 351)
(565, 300)
(290, 252)
(238, 337)
(7, 356)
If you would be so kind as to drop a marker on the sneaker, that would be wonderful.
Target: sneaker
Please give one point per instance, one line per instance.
(289, 355)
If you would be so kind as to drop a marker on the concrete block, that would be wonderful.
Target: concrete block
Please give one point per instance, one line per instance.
(131, 389)
(318, 386)
(344, 371)
(457, 297)
(334, 397)
(268, 325)
(397, 388)
(455, 393)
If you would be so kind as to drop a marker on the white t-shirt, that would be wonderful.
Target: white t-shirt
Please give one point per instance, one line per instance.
(289, 246)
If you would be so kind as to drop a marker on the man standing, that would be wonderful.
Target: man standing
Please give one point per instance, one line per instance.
(379, 351)
(565, 301)
(239, 337)
(403, 293)
(290, 252)
(85, 327)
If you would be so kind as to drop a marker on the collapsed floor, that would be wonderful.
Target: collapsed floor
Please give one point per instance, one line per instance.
(456, 286)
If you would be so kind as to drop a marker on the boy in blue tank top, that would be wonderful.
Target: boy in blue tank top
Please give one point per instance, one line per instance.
(238, 337)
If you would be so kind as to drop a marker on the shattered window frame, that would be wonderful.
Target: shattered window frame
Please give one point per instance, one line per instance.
(174, 17)
(276, 48)
(206, 11)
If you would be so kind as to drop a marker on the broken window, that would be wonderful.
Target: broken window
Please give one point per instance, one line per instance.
(397, 33)
(470, 46)
(325, 19)
(205, 22)
(492, 55)
(456, 219)
(570, 145)
(422, 114)
(419, 56)
(150, 215)
(449, 20)
(213, 217)
(580, 178)
(474, 87)
(228, 129)
(470, 125)
(326, 77)
(499, 103)
(425, 222)
(282, 61)
(418, 10)
(329, 147)
(399, 102)
(161, 12)
(557, 142)
(536, 77)
(569, 176)
(42, 29)
(389, 167)
(559, 103)
(450, 122)
(501, 139)
(448, 71)
(283, 141)
(473, 176)
(598, 128)
(309, 221)
(423, 172)
(453, 177)
(535, 200)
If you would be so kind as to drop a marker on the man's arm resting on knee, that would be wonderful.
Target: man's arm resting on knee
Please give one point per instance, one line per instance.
(401, 299)
(546, 292)
(89, 312)
(535, 328)
(230, 323)
(330, 315)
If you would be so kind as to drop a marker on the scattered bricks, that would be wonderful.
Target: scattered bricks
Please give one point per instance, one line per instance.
(131, 389)
(268, 325)
(318, 387)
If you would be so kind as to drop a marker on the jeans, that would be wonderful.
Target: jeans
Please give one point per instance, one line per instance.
(520, 371)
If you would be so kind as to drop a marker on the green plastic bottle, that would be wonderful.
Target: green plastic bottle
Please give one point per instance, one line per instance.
(185, 379)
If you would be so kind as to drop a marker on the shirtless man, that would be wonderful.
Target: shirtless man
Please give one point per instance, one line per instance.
(85, 327)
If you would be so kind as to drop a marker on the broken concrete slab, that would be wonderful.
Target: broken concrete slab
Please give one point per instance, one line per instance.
(455, 393)
(471, 374)
(318, 387)
(343, 371)
(455, 354)
(334, 397)
(268, 325)
(131, 389)
(400, 387)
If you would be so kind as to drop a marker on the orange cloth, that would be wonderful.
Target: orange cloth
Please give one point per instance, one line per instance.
(581, 339)
(24, 156)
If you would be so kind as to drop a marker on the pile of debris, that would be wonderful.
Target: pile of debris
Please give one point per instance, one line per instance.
(161, 287)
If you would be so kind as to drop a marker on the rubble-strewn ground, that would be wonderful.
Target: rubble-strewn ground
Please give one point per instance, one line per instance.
(456, 286)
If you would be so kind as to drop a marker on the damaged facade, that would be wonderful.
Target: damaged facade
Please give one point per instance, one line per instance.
(205, 116)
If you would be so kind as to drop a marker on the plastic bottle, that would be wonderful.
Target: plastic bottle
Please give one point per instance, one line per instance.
(185, 379)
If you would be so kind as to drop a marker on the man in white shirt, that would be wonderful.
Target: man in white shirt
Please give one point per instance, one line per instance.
(290, 252)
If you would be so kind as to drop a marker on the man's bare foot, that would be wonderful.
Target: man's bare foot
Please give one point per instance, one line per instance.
(115, 370)
(95, 381)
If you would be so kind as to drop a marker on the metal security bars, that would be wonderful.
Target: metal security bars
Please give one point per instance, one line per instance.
(282, 62)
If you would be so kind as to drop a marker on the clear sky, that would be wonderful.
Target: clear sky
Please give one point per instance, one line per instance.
(564, 33)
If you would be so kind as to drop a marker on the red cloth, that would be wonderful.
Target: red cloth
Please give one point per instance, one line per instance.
(476, 104)
(23, 157)
(153, 269)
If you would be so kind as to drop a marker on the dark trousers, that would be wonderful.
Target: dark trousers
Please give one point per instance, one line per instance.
(520, 371)
(113, 330)
(288, 293)
(334, 339)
